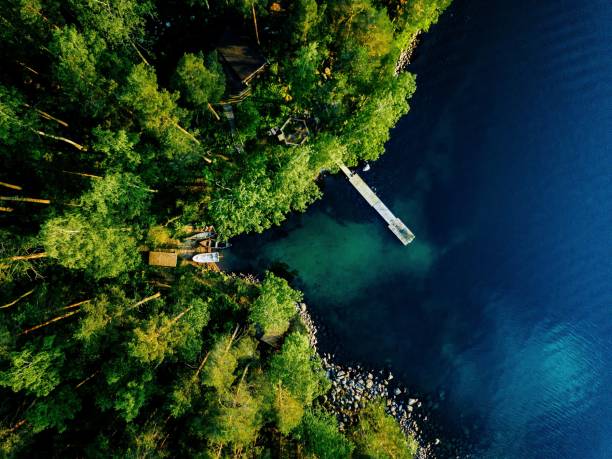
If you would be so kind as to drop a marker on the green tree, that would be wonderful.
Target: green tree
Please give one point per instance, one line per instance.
(119, 21)
(320, 436)
(304, 17)
(288, 411)
(367, 132)
(275, 306)
(53, 411)
(156, 110)
(298, 369)
(117, 197)
(101, 251)
(377, 434)
(201, 81)
(236, 419)
(75, 68)
(34, 369)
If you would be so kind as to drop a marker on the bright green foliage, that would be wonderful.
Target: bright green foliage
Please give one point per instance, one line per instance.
(287, 409)
(319, 432)
(100, 251)
(275, 307)
(156, 109)
(98, 313)
(200, 82)
(303, 73)
(11, 124)
(219, 370)
(160, 336)
(117, 197)
(417, 15)
(130, 398)
(237, 419)
(75, 68)
(34, 369)
(118, 20)
(258, 202)
(118, 147)
(297, 368)
(368, 131)
(378, 435)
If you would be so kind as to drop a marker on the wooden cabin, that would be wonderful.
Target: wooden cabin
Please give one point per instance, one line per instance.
(242, 62)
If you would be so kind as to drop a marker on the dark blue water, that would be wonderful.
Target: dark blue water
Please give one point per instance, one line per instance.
(503, 169)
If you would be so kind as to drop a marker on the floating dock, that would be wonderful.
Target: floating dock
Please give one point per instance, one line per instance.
(396, 226)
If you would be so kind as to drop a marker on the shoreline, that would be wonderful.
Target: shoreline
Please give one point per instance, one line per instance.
(353, 385)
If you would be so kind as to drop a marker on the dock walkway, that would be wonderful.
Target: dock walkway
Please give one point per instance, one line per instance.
(396, 226)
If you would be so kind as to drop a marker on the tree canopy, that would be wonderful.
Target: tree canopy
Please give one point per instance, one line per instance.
(123, 129)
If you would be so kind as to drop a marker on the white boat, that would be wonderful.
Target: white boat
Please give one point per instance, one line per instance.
(212, 257)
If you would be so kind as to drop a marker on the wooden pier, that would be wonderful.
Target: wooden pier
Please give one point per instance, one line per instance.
(396, 226)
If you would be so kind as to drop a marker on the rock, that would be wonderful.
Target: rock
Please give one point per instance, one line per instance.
(390, 377)
(369, 384)
(412, 401)
(370, 376)
(397, 391)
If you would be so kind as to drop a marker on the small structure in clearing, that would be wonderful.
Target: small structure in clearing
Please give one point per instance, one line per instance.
(168, 259)
(294, 132)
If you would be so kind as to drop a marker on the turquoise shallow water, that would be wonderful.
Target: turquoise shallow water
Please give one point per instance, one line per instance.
(503, 169)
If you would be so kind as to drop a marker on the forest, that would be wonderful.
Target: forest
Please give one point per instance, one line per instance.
(116, 138)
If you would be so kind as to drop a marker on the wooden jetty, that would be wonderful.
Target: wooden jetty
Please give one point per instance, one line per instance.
(396, 226)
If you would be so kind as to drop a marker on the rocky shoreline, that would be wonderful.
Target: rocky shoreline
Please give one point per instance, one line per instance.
(406, 55)
(353, 386)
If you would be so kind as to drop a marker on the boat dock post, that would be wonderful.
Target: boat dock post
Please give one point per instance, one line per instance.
(396, 226)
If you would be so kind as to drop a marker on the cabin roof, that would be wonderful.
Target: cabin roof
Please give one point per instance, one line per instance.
(241, 56)
(163, 259)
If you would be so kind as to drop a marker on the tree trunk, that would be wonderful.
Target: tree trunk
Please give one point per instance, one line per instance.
(139, 53)
(197, 373)
(32, 256)
(87, 379)
(17, 199)
(49, 117)
(187, 133)
(210, 107)
(255, 22)
(8, 185)
(8, 305)
(49, 322)
(82, 174)
(143, 301)
(76, 305)
(78, 146)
